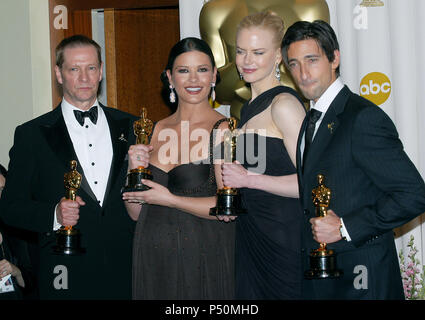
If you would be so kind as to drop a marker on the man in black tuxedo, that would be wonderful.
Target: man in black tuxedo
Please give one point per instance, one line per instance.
(374, 186)
(34, 194)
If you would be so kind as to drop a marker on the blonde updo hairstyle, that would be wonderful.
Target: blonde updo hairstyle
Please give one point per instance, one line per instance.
(267, 20)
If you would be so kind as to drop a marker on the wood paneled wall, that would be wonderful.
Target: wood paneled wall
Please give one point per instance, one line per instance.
(138, 44)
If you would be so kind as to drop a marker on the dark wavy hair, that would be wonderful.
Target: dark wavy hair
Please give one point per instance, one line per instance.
(187, 45)
(318, 30)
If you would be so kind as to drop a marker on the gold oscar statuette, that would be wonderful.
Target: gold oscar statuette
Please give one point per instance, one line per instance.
(142, 130)
(68, 238)
(322, 260)
(229, 200)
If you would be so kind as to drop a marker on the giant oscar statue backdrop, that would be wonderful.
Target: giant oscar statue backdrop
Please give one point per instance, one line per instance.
(217, 23)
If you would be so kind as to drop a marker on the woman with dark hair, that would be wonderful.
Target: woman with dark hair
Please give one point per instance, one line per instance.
(16, 273)
(180, 252)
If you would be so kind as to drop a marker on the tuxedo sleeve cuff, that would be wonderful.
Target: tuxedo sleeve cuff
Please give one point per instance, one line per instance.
(56, 224)
(344, 233)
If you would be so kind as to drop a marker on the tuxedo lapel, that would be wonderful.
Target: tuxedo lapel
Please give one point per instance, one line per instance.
(323, 136)
(327, 129)
(57, 136)
(119, 129)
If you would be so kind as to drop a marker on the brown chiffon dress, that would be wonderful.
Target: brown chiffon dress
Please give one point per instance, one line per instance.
(177, 255)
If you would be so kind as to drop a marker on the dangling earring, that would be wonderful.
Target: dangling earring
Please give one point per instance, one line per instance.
(212, 91)
(277, 73)
(172, 94)
(240, 76)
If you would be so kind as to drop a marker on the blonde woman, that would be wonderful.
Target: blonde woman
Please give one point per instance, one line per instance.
(268, 237)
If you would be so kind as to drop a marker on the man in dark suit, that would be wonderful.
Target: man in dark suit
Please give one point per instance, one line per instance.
(34, 194)
(355, 146)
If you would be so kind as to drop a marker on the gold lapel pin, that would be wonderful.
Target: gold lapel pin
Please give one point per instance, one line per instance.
(331, 127)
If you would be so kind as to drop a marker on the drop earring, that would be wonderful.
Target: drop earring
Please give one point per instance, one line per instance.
(172, 94)
(212, 91)
(277, 73)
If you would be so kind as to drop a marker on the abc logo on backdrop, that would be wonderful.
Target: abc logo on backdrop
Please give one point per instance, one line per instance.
(376, 87)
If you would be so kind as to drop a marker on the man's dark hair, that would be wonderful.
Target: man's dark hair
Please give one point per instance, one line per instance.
(318, 30)
(72, 42)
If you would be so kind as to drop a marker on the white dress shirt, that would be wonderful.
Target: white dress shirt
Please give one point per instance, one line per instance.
(325, 100)
(93, 146)
(322, 105)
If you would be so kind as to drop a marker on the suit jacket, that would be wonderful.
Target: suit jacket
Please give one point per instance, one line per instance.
(39, 158)
(375, 188)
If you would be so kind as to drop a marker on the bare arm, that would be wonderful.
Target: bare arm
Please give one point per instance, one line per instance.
(200, 207)
(160, 195)
(236, 176)
(287, 114)
(133, 207)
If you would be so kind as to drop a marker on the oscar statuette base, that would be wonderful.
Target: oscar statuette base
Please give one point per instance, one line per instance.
(68, 242)
(322, 265)
(134, 180)
(229, 203)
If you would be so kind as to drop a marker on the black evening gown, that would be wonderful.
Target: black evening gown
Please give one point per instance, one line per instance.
(268, 237)
(177, 255)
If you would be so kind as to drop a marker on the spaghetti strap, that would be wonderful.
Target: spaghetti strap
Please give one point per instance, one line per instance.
(212, 138)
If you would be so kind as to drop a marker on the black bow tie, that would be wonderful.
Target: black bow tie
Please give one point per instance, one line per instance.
(91, 114)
